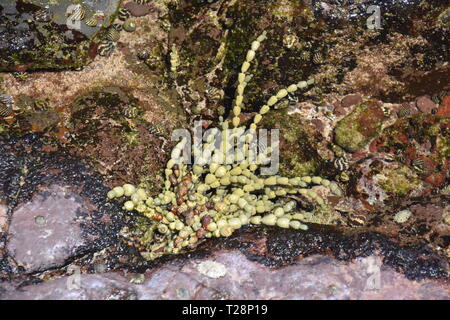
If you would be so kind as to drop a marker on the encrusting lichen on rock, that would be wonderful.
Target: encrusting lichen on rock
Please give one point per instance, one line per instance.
(212, 199)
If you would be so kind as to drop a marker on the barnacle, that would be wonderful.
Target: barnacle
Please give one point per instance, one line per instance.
(20, 75)
(225, 188)
(290, 40)
(129, 26)
(402, 216)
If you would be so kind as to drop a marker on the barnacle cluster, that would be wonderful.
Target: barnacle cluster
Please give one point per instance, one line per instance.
(225, 188)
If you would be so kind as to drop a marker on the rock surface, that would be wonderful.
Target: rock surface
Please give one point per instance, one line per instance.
(39, 35)
(64, 233)
(45, 232)
(316, 277)
(117, 114)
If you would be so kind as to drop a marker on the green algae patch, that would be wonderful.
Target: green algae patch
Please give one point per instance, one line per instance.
(364, 123)
(400, 181)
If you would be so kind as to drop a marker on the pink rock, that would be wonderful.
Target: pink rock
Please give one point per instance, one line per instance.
(44, 232)
(425, 104)
(314, 277)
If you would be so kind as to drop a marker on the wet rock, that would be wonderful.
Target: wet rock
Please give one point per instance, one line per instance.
(40, 121)
(315, 277)
(100, 122)
(402, 216)
(426, 223)
(351, 100)
(78, 287)
(359, 127)
(46, 231)
(39, 34)
(425, 105)
(55, 197)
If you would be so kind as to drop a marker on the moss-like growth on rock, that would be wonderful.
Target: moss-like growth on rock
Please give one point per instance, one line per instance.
(363, 124)
(400, 181)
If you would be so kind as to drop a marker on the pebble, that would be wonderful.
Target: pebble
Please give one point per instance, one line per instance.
(40, 220)
(425, 104)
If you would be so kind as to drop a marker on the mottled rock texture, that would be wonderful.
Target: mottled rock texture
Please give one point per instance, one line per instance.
(316, 277)
(45, 232)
